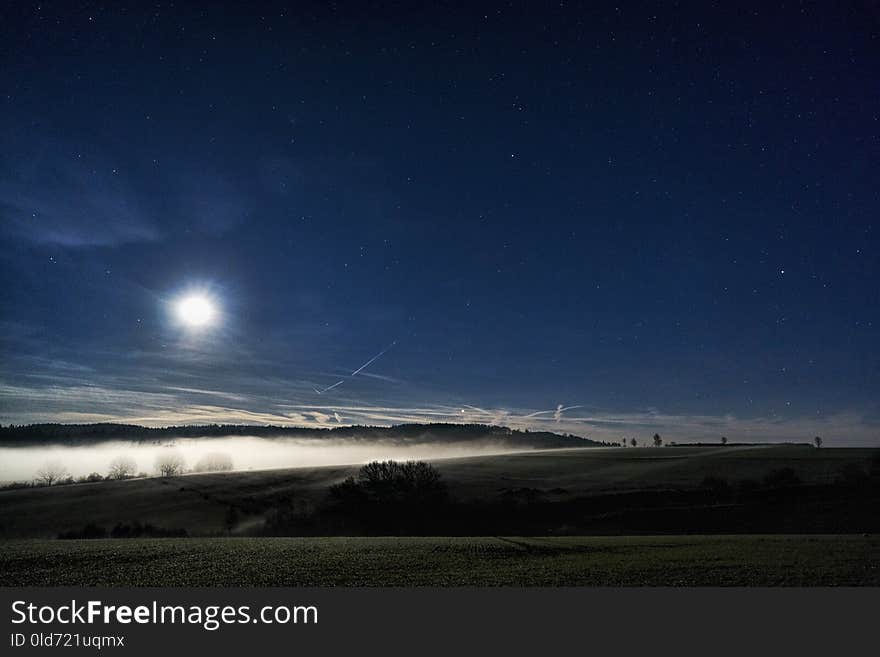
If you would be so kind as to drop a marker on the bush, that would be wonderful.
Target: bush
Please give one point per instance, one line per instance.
(391, 482)
(16, 485)
(392, 496)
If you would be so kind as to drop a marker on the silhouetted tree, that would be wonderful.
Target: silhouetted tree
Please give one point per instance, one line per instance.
(658, 441)
(169, 464)
(387, 481)
(818, 441)
(723, 440)
(390, 482)
(52, 472)
(633, 442)
(122, 467)
(392, 496)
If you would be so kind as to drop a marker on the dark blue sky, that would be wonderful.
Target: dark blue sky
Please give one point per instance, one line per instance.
(662, 214)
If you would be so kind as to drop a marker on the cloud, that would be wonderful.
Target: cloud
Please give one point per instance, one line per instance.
(56, 197)
(157, 405)
(62, 196)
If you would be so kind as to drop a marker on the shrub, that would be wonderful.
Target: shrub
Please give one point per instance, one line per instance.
(393, 497)
(390, 482)
(16, 485)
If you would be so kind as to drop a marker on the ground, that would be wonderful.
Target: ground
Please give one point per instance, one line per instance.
(484, 561)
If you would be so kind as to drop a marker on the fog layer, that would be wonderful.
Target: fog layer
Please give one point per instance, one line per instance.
(247, 453)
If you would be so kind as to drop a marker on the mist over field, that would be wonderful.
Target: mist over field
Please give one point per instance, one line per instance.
(246, 452)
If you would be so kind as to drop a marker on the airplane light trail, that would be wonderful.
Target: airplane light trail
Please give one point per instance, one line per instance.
(373, 359)
(358, 370)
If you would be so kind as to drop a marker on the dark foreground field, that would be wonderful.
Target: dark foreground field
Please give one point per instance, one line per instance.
(428, 561)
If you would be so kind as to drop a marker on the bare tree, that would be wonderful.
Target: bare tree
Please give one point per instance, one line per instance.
(818, 441)
(122, 467)
(51, 472)
(214, 462)
(170, 464)
(658, 441)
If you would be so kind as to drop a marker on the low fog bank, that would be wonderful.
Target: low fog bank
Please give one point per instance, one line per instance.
(22, 464)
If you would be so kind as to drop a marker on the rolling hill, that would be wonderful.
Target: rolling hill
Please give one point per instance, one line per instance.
(564, 486)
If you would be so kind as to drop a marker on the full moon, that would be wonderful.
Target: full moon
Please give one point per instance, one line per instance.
(196, 310)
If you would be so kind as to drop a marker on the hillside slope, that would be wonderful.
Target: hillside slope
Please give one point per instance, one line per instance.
(198, 503)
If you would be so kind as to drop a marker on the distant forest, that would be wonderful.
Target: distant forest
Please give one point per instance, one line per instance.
(80, 434)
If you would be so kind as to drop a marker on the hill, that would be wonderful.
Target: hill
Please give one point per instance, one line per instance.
(574, 491)
(88, 434)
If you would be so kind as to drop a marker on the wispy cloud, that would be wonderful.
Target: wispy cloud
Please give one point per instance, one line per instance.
(165, 405)
(59, 200)
(357, 371)
(67, 196)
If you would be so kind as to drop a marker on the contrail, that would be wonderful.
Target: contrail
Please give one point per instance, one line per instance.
(557, 412)
(373, 359)
(560, 409)
(338, 383)
(358, 370)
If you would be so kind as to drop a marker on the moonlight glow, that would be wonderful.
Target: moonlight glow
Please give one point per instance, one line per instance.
(196, 310)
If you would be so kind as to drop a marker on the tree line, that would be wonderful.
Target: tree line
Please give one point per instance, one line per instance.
(167, 464)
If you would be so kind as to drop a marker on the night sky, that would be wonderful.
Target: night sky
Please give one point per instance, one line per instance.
(662, 217)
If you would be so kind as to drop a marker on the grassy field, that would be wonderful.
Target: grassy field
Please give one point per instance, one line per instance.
(490, 561)
(198, 503)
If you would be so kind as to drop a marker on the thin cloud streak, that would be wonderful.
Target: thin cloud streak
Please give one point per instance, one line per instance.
(358, 370)
(21, 404)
